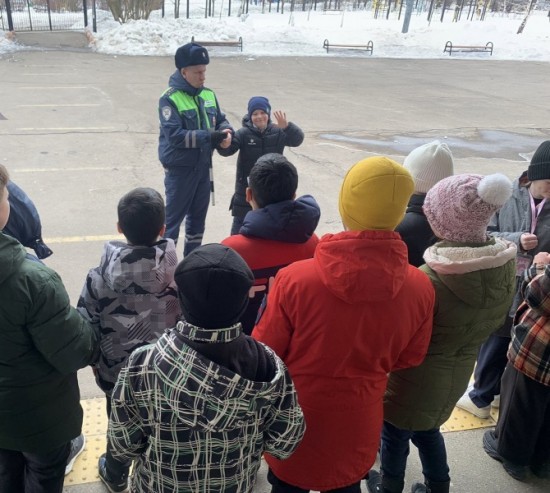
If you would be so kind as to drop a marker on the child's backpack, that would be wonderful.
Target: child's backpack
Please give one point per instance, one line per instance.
(24, 222)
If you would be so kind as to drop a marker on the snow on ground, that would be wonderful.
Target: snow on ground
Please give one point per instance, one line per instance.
(302, 34)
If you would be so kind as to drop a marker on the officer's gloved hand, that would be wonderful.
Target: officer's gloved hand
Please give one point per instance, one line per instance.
(216, 137)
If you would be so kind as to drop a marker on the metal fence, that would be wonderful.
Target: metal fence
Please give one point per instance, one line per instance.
(43, 15)
(62, 15)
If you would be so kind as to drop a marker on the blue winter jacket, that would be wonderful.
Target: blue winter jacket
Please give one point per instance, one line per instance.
(291, 221)
(272, 238)
(185, 133)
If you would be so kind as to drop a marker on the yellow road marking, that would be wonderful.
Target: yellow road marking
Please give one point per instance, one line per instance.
(43, 74)
(65, 128)
(82, 239)
(31, 88)
(54, 105)
(49, 170)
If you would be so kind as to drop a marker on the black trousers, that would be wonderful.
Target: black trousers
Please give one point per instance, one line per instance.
(24, 472)
(279, 486)
(523, 427)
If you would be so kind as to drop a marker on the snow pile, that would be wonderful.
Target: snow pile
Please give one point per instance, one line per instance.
(302, 34)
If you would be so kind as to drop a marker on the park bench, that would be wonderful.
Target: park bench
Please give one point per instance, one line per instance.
(488, 48)
(368, 47)
(227, 43)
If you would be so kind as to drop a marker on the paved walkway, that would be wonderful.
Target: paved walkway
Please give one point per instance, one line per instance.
(95, 427)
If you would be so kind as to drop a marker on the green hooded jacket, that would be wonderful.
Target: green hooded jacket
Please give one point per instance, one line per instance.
(474, 287)
(43, 342)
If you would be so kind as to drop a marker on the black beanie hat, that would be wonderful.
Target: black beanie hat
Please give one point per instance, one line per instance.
(191, 54)
(539, 169)
(213, 284)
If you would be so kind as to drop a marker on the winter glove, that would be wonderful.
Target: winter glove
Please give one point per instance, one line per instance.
(216, 138)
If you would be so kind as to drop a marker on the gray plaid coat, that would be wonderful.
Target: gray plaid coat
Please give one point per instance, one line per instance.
(195, 426)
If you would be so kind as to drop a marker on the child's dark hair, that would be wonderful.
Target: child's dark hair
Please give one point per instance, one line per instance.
(273, 179)
(141, 216)
(4, 179)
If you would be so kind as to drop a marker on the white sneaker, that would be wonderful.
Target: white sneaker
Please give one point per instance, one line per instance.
(496, 402)
(466, 404)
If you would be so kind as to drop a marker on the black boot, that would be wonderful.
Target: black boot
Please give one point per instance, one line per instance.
(438, 486)
(377, 483)
(392, 485)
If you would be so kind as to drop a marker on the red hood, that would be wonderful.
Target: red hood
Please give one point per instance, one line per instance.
(362, 265)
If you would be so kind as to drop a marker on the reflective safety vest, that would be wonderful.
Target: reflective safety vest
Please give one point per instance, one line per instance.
(199, 112)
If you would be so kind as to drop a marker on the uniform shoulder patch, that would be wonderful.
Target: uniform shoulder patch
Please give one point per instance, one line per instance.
(166, 112)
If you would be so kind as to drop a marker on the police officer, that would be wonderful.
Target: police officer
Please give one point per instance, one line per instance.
(191, 127)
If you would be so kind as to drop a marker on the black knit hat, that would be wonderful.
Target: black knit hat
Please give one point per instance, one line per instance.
(213, 284)
(539, 169)
(191, 54)
(258, 103)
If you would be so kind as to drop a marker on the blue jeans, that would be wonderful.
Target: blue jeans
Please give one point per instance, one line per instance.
(491, 361)
(394, 450)
(33, 473)
(187, 195)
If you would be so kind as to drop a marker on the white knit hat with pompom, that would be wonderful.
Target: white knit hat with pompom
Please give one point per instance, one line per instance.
(460, 207)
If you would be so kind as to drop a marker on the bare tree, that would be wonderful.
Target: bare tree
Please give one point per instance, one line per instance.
(125, 10)
(531, 7)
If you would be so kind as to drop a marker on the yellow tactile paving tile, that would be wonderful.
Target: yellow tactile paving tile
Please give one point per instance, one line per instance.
(95, 427)
(462, 420)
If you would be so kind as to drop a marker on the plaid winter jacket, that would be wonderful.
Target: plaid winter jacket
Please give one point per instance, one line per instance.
(192, 424)
(529, 350)
(132, 297)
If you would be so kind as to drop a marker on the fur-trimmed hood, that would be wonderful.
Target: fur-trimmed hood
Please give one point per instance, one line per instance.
(460, 258)
(470, 270)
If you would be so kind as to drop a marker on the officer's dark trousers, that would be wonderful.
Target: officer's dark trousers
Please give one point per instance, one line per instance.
(187, 195)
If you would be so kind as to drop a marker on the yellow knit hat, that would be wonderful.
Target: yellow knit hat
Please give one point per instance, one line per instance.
(375, 194)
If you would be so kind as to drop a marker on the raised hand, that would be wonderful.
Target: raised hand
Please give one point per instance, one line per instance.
(280, 119)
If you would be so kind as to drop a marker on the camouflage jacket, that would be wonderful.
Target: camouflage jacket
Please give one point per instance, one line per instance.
(132, 297)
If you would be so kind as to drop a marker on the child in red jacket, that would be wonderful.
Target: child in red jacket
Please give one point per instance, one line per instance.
(341, 322)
